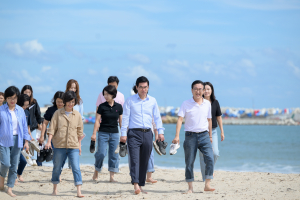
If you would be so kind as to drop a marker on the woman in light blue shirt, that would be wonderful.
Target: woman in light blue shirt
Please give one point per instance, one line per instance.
(74, 86)
(13, 129)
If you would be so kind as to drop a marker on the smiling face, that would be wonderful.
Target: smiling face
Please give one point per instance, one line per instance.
(70, 104)
(108, 97)
(11, 101)
(28, 92)
(59, 103)
(73, 87)
(197, 91)
(207, 91)
(26, 105)
(1, 99)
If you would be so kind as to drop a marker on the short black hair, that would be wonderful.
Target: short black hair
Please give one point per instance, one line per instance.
(112, 79)
(110, 89)
(212, 96)
(22, 98)
(141, 79)
(11, 91)
(69, 96)
(1, 94)
(197, 82)
(58, 94)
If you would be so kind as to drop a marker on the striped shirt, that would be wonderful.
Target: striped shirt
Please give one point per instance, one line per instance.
(6, 126)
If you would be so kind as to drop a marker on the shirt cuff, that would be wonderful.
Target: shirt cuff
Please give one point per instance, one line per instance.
(123, 133)
(160, 131)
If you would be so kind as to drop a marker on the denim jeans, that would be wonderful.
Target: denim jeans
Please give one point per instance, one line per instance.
(9, 158)
(215, 150)
(112, 139)
(59, 157)
(192, 142)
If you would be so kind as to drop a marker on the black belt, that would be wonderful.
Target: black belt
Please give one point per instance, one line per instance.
(142, 129)
(197, 132)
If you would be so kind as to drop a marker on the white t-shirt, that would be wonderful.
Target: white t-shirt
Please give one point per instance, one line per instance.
(14, 122)
(195, 115)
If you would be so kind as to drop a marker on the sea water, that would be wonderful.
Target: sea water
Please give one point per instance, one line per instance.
(253, 148)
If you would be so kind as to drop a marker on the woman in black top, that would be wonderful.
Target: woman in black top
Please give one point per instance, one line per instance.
(58, 103)
(35, 112)
(216, 115)
(109, 113)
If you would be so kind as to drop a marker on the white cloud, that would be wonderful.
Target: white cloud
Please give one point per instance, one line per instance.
(296, 70)
(92, 72)
(138, 71)
(27, 76)
(139, 58)
(32, 47)
(46, 68)
(247, 65)
(175, 62)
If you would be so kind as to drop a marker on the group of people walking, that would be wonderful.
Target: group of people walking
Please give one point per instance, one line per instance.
(123, 127)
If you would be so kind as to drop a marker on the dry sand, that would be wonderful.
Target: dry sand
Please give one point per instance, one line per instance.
(170, 185)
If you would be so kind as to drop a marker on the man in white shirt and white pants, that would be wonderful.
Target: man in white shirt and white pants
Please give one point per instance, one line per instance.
(198, 134)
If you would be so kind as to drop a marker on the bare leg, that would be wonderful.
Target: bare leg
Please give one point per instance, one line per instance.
(137, 189)
(10, 193)
(190, 184)
(207, 187)
(79, 191)
(143, 191)
(20, 178)
(2, 183)
(16, 182)
(95, 176)
(112, 177)
(149, 178)
(54, 189)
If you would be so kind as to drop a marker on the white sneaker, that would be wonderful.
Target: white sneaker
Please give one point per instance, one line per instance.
(173, 148)
(34, 163)
(27, 157)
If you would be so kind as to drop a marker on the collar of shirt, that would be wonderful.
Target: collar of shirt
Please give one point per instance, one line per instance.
(107, 104)
(63, 111)
(139, 98)
(193, 101)
(16, 107)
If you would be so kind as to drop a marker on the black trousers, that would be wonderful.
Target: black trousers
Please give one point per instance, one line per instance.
(139, 146)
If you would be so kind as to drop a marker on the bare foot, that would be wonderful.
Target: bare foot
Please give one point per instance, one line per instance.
(113, 180)
(95, 176)
(11, 194)
(188, 192)
(137, 191)
(54, 193)
(20, 178)
(143, 191)
(150, 180)
(16, 182)
(80, 195)
(209, 189)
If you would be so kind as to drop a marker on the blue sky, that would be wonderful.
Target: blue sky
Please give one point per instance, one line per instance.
(249, 50)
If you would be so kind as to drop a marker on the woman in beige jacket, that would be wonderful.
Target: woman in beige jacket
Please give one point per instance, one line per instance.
(65, 131)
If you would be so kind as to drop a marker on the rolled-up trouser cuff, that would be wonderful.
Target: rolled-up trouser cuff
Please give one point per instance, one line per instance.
(98, 169)
(111, 169)
(189, 180)
(78, 183)
(208, 177)
(151, 170)
(55, 182)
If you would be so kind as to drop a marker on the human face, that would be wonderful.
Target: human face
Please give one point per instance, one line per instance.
(28, 92)
(73, 87)
(114, 84)
(207, 91)
(59, 103)
(70, 104)
(11, 101)
(1, 99)
(108, 97)
(197, 91)
(143, 89)
(26, 105)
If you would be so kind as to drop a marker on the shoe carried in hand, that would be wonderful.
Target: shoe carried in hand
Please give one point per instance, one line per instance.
(123, 149)
(34, 145)
(92, 146)
(156, 147)
(27, 157)
(48, 155)
(173, 148)
(162, 146)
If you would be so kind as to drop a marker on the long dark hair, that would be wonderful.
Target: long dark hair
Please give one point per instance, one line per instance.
(22, 98)
(58, 94)
(212, 96)
(69, 84)
(28, 87)
(134, 89)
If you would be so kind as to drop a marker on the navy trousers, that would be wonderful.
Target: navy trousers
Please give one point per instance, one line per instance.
(139, 146)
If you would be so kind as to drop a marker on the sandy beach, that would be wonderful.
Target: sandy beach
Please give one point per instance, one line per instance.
(170, 185)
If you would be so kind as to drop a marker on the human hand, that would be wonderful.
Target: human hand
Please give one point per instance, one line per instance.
(48, 145)
(80, 150)
(41, 140)
(222, 137)
(161, 137)
(93, 138)
(211, 141)
(26, 147)
(176, 140)
(123, 139)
